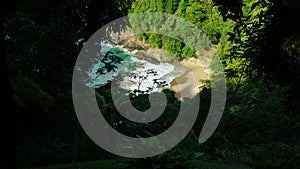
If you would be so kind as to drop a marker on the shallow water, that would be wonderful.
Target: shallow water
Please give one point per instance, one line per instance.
(165, 72)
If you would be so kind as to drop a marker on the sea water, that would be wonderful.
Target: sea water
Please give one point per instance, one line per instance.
(130, 65)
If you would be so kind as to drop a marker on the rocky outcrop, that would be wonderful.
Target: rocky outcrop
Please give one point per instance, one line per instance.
(132, 43)
(152, 55)
(143, 55)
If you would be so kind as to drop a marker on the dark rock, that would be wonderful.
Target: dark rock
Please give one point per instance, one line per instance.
(143, 55)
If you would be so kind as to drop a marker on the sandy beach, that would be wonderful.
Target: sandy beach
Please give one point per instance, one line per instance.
(187, 84)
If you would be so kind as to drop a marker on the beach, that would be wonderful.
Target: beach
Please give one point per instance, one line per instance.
(187, 85)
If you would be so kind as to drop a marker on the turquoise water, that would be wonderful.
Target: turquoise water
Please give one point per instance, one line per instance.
(130, 65)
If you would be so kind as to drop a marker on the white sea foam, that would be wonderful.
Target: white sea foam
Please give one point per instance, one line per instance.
(165, 71)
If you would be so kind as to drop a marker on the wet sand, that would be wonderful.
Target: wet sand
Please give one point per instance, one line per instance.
(189, 82)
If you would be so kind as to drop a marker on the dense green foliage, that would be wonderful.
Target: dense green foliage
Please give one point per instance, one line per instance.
(258, 42)
(130, 164)
(196, 12)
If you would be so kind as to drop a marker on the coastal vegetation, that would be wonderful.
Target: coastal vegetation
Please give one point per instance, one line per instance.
(256, 41)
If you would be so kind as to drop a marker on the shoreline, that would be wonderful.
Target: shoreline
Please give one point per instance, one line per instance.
(189, 82)
(185, 85)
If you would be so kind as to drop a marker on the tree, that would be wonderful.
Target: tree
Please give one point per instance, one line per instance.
(140, 77)
(265, 34)
(42, 44)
